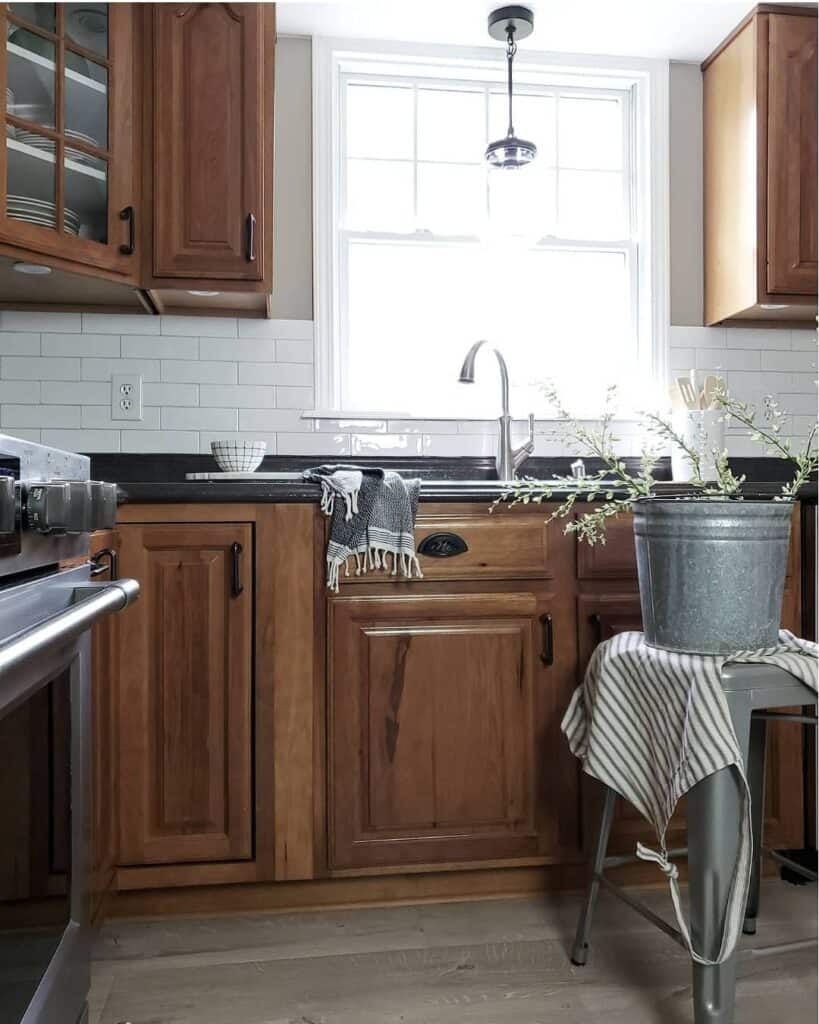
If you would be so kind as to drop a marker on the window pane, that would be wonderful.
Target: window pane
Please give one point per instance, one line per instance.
(451, 198)
(522, 202)
(451, 125)
(86, 100)
(534, 118)
(567, 309)
(86, 196)
(591, 133)
(86, 24)
(590, 205)
(31, 70)
(30, 179)
(379, 121)
(42, 15)
(379, 195)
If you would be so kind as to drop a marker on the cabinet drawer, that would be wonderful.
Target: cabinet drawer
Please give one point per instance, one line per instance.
(478, 546)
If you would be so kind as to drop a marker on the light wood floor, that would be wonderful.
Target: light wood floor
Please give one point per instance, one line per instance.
(496, 962)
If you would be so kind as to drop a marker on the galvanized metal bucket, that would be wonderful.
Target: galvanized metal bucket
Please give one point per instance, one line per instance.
(711, 572)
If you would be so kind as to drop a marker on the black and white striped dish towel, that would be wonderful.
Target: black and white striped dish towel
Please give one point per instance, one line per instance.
(372, 518)
(650, 724)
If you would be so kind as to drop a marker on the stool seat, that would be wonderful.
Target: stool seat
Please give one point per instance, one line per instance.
(715, 821)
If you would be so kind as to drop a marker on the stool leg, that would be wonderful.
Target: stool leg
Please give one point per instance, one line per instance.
(580, 949)
(756, 784)
(713, 842)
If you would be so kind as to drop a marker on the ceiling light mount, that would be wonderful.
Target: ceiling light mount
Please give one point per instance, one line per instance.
(510, 24)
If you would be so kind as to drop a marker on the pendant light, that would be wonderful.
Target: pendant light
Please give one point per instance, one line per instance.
(511, 24)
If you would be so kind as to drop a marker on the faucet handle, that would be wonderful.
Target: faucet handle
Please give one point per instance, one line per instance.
(519, 455)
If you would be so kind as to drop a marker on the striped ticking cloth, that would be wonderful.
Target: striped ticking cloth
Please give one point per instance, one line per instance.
(650, 724)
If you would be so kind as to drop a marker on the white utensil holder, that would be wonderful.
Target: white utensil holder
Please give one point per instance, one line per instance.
(702, 430)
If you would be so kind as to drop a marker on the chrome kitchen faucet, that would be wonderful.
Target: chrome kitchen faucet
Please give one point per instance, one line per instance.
(508, 459)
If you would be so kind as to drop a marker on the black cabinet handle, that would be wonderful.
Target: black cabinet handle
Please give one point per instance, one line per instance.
(98, 563)
(547, 652)
(250, 232)
(597, 623)
(128, 214)
(236, 587)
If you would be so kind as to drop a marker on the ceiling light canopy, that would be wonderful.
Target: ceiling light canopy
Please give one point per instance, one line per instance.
(511, 24)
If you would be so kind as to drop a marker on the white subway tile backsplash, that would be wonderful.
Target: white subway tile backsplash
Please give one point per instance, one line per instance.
(11, 320)
(38, 368)
(292, 374)
(118, 323)
(288, 351)
(213, 378)
(66, 392)
(170, 394)
(197, 418)
(99, 417)
(262, 350)
(273, 420)
(80, 345)
(212, 326)
(757, 337)
(803, 340)
(160, 441)
(294, 329)
(152, 346)
(20, 391)
(102, 369)
(83, 440)
(39, 416)
(295, 398)
(188, 371)
(25, 434)
(237, 396)
(19, 343)
(804, 362)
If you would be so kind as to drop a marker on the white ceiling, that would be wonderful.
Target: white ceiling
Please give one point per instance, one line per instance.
(676, 29)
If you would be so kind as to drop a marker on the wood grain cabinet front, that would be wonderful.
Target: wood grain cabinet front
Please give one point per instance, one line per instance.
(212, 96)
(185, 747)
(444, 740)
(760, 169)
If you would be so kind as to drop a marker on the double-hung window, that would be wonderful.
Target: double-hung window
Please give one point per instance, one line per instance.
(422, 249)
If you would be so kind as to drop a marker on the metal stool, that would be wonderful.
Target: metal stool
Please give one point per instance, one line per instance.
(714, 818)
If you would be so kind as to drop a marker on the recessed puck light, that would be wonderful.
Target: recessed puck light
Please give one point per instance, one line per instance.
(204, 294)
(773, 305)
(35, 269)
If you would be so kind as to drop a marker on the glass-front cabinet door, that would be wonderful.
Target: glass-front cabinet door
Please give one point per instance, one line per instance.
(68, 162)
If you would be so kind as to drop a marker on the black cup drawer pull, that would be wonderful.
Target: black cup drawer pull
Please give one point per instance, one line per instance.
(547, 650)
(236, 586)
(442, 545)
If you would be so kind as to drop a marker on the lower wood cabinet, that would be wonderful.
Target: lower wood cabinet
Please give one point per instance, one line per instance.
(185, 743)
(443, 727)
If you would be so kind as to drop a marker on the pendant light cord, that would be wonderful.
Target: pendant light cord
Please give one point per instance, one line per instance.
(511, 50)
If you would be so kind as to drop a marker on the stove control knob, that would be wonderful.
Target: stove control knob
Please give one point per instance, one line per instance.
(103, 505)
(8, 505)
(62, 506)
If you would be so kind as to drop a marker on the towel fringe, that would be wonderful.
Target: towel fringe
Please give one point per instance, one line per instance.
(374, 557)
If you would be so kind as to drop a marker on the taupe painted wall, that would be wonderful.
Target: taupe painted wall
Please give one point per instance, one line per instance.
(293, 228)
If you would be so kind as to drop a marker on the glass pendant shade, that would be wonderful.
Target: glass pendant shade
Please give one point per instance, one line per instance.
(510, 152)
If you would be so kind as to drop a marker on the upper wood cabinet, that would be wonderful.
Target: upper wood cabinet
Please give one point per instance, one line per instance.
(185, 694)
(69, 165)
(212, 138)
(760, 169)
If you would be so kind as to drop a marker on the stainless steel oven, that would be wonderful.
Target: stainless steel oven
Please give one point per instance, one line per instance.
(48, 603)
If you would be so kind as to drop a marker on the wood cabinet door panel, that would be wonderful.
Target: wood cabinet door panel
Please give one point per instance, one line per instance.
(616, 559)
(792, 158)
(440, 711)
(208, 140)
(185, 756)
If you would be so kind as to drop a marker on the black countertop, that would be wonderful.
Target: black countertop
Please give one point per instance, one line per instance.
(156, 479)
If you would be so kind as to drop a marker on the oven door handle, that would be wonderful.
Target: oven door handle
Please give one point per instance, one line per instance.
(91, 602)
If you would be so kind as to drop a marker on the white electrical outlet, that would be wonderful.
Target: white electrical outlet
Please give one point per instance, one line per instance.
(126, 396)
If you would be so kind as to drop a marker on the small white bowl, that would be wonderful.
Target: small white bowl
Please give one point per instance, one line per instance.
(238, 456)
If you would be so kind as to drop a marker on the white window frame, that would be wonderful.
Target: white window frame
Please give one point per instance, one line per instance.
(647, 80)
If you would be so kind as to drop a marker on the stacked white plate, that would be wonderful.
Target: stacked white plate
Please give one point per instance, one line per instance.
(41, 212)
(45, 144)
